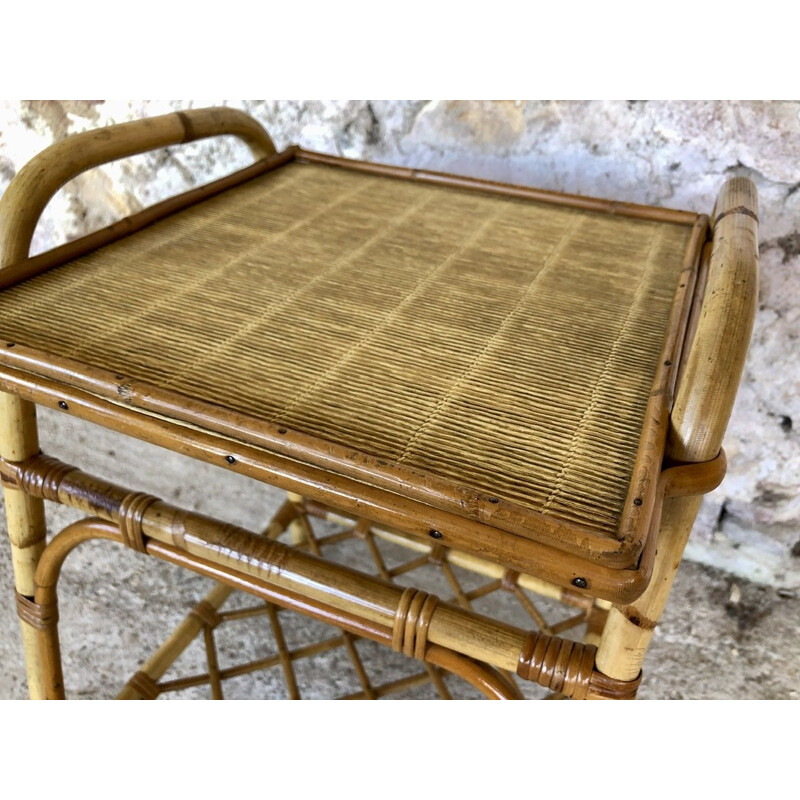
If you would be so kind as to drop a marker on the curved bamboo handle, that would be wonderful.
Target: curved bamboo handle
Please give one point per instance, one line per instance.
(33, 186)
(707, 390)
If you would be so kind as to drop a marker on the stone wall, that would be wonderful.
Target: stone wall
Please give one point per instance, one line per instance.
(663, 153)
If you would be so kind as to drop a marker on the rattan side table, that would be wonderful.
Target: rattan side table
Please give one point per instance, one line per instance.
(530, 385)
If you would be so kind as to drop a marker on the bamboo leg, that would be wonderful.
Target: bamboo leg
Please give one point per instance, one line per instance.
(595, 621)
(49, 652)
(628, 630)
(298, 527)
(26, 524)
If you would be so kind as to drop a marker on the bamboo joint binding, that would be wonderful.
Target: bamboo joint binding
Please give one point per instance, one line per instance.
(411, 622)
(41, 616)
(557, 664)
(144, 686)
(131, 514)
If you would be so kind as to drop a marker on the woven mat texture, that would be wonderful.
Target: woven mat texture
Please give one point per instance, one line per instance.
(507, 345)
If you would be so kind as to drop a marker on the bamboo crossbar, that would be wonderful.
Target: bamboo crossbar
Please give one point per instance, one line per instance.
(27, 195)
(30, 267)
(411, 621)
(274, 563)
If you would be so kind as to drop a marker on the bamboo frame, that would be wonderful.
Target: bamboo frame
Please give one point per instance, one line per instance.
(679, 455)
(27, 195)
(720, 329)
(25, 519)
(411, 621)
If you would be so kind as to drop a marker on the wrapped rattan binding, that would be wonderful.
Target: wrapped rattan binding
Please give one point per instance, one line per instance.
(207, 614)
(131, 513)
(510, 580)
(411, 622)
(42, 616)
(144, 685)
(568, 668)
(41, 476)
(557, 664)
(602, 686)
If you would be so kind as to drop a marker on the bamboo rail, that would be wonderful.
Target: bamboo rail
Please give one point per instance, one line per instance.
(27, 195)
(720, 330)
(144, 684)
(411, 620)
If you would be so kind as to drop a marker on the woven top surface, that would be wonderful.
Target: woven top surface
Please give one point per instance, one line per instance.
(508, 346)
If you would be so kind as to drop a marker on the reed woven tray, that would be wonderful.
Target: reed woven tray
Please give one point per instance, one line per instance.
(500, 355)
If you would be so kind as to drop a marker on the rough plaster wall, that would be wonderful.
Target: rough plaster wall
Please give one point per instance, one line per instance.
(663, 153)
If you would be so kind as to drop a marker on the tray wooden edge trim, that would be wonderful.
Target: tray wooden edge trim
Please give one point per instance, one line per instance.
(641, 503)
(618, 585)
(509, 190)
(416, 484)
(620, 552)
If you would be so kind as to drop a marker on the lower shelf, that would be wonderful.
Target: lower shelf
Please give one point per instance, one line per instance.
(304, 658)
